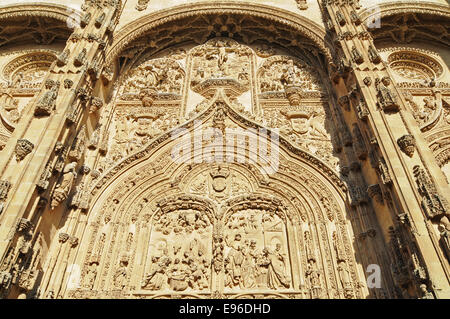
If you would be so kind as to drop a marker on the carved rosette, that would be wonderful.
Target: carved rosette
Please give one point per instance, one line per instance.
(407, 144)
(23, 148)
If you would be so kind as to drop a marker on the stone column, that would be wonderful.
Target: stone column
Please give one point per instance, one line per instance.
(41, 161)
(399, 159)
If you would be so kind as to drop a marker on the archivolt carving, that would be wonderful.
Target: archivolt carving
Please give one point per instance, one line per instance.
(221, 18)
(40, 23)
(252, 240)
(414, 66)
(27, 71)
(239, 238)
(406, 21)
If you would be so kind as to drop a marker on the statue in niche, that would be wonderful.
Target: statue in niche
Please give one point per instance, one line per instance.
(344, 273)
(445, 238)
(280, 73)
(313, 274)
(152, 77)
(200, 275)
(120, 276)
(100, 243)
(90, 276)
(62, 189)
(221, 56)
(246, 266)
(249, 266)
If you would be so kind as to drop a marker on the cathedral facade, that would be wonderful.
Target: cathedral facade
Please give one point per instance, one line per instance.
(225, 149)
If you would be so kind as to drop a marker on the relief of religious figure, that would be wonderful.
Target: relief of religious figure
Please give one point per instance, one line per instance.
(276, 276)
(290, 75)
(156, 278)
(281, 72)
(161, 75)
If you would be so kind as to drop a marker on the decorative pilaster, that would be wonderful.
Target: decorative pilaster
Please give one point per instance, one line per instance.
(380, 111)
(45, 141)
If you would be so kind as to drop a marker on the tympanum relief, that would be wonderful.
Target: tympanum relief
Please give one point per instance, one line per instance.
(277, 91)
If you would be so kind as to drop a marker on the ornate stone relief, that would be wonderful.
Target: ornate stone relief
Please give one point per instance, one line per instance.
(281, 72)
(162, 76)
(27, 71)
(23, 148)
(415, 66)
(23, 77)
(211, 229)
(134, 127)
(221, 63)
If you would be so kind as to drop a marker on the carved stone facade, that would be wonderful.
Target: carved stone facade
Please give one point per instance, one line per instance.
(224, 149)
